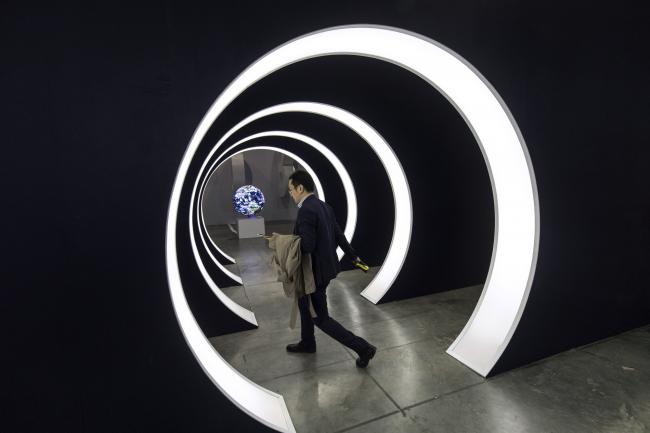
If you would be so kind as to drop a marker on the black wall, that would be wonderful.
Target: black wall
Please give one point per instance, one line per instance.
(99, 103)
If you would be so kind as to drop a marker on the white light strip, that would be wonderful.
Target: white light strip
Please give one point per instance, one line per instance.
(264, 405)
(398, 249)
(229, 258)
(350, 224)
(205, 228)
(317, 183)
(348, 186)
(204, 272)
(212, 170)
(225, 270)
(242, 312)
(517, 224)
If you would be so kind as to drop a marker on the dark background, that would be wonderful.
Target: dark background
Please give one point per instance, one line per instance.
(99, 103)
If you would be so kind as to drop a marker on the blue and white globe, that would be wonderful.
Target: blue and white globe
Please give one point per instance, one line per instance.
(248, 200)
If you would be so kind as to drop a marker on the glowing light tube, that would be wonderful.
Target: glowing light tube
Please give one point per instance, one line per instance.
(317, 183)
(213, 169)
(348, 186)
(517, 209)
(226, 256)
(242, 312)
(225, 270)
(351, 218)
(398, 249)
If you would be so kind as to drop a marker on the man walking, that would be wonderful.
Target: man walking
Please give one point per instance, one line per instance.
(320, 235)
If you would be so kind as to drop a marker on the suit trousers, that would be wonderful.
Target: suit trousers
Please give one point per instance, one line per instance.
(325, 323)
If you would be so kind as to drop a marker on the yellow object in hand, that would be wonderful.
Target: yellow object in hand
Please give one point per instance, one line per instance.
(360, 264)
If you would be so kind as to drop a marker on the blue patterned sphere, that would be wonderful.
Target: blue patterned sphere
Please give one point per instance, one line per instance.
(248, 200)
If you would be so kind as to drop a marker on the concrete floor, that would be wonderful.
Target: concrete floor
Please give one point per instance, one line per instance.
(412, 385)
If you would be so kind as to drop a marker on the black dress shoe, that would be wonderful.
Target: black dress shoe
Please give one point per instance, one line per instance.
(301, 348)
(366, 356)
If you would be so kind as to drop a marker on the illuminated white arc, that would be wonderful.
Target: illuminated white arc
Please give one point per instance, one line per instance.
(308, 107)
(398, 249)
(517, 209)
(225, 270)
(242, 312)
(239, 310)
(229, 258)
(318, 185)
(219, 250)
(205, 228)
(348, 186)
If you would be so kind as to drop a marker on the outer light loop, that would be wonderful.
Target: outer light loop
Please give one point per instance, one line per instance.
(348, 186)
(517, 224)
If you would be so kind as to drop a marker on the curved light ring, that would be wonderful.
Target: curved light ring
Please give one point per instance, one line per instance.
(260, 403)
(398, 249)
(517, 209)
(225, 270)
(226, 256)
(242, 312)
(317, 183)
(219, 250)
(348, 186)
(213, 169)
(284, 108)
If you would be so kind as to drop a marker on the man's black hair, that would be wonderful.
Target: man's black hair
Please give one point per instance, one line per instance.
(301, 177)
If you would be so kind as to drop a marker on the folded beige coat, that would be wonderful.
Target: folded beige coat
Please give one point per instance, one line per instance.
(293, 270)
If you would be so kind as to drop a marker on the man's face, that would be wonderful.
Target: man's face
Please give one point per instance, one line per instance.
(295, 193)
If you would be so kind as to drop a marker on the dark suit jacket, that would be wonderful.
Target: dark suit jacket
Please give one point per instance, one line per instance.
(320, 235)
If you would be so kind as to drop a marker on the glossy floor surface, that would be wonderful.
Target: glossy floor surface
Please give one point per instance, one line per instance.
(412, 385)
